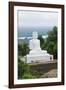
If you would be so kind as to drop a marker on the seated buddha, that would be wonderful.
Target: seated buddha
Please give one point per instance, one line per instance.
(34, 45)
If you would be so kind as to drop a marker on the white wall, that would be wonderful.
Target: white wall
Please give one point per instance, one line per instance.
(4, 44)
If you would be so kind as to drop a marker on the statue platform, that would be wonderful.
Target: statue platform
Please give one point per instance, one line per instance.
(39, 58)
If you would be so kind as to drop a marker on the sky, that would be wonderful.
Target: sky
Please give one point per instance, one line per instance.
(37, 18)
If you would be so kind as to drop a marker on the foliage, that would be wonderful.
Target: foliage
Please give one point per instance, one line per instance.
(22, 67)
(27, 75)
(42, 41)
(24, 70)
(51, 42)
(23, 49)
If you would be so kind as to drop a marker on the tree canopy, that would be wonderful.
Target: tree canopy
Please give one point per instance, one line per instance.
(50, 44)
(23, 49)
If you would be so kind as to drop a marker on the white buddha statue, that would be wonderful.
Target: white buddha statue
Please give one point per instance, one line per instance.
(34, 45)
(36, 54)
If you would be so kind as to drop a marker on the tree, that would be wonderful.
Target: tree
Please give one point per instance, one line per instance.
(19, 49)
(23, 49)
(51, 42)
(42, 41)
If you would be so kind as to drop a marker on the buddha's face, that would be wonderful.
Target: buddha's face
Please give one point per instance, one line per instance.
(34, 35)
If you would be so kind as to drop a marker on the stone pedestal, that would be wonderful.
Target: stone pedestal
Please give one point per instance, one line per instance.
(39, 55)
(39, 58)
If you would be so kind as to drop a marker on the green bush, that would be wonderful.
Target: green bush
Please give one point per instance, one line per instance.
(23, 49)
(24, 70)
(27, 75)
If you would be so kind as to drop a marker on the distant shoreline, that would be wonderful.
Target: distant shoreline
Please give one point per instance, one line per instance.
(22, 38)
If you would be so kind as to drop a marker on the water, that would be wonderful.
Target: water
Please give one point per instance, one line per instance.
(25, 33)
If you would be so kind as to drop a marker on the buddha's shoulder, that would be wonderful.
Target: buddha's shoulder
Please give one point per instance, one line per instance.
(36, 40)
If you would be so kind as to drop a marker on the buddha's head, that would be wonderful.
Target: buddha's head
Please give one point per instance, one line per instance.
(34, 35)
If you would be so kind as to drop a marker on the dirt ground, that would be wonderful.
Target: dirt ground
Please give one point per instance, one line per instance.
(52, 73)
